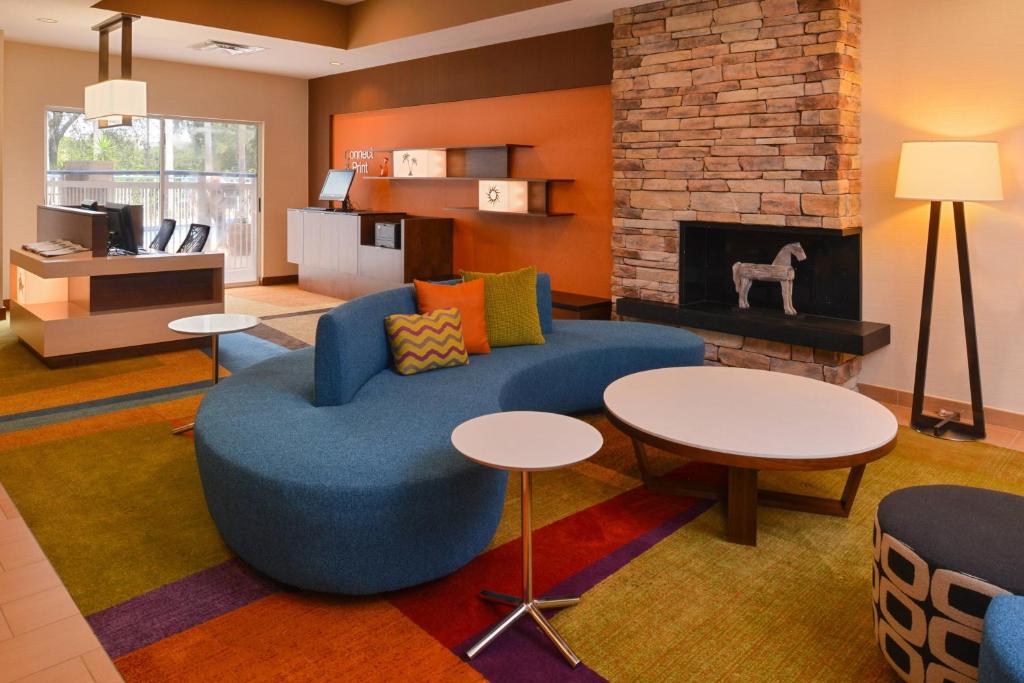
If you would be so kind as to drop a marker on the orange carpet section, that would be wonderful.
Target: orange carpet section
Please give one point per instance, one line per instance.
(300, 637)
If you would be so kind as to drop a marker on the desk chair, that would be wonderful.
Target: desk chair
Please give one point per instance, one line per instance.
(163, 237)
(195, 240)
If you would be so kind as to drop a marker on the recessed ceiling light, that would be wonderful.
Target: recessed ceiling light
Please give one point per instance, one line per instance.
(335, 63)
(46, 20)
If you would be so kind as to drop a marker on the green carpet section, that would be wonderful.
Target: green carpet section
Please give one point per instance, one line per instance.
(118, 513)
(795, 608)
(22, 372)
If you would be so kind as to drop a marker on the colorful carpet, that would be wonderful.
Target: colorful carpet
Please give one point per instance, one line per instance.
(115, 501)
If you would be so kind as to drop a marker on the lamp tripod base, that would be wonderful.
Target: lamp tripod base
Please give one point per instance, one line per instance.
(946, 425)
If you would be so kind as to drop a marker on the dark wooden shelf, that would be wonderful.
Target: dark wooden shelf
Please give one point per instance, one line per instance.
(466, 178)
(488, 163)
(535, 214)
(821, 332)
(507, 145)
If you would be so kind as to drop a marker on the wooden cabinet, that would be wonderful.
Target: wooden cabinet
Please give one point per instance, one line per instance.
(336, 254)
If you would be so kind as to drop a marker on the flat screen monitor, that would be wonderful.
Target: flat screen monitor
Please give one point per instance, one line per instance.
(337, 184)
(120, 228)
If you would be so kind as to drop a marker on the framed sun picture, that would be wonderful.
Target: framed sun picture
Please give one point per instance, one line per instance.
(508, 196)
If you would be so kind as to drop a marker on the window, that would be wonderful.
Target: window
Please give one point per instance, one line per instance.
(194, 171)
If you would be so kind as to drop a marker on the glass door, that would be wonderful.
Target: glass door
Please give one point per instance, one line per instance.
(211, 177)
(87, 164)
(191, 170)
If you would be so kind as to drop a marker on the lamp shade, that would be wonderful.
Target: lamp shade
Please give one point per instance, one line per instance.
(115, 99)
(949, 171)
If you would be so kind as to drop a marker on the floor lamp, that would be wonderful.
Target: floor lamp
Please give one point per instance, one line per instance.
(958, 172)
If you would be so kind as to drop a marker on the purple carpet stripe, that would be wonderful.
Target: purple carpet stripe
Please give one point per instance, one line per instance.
(178, 606)
(503, 660)
(525, 655)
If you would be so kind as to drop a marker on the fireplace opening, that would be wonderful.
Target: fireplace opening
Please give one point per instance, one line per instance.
(826, 288)
(827, 282)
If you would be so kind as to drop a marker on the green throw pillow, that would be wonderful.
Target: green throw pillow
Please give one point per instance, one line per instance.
(510, 307)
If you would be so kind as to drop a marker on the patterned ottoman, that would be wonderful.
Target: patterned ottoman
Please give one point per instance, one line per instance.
(941, 554)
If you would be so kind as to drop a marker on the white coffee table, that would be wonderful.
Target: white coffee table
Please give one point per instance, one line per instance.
(527, 442)
(212, 325)
(751, 420)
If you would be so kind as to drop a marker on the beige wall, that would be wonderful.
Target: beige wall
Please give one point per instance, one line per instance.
(939, 69)
(37, 77)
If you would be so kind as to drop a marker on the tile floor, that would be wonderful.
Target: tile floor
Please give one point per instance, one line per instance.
(43, 636)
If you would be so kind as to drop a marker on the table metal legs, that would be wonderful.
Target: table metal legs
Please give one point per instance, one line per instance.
(216, 379)
(527, 604)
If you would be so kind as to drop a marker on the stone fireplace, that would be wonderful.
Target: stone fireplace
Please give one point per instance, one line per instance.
(738, 113)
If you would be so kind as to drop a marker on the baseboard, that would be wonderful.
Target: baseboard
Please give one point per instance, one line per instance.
(899, 397)
(271, 280)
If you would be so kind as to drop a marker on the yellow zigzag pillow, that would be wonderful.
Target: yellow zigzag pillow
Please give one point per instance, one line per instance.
(426, 342)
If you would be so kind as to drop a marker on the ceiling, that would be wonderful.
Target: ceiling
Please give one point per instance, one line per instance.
(170, 40)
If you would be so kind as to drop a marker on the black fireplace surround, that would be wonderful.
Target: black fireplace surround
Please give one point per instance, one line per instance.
(826, 291)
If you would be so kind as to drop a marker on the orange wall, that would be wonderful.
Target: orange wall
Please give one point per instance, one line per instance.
(571, 134)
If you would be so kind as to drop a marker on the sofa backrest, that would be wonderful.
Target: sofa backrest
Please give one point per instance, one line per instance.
(352, 346)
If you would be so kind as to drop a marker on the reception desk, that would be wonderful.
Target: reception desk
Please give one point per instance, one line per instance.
(337, 256)
(67, 307)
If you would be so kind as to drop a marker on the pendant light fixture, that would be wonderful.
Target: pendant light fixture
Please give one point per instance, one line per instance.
(114, 101)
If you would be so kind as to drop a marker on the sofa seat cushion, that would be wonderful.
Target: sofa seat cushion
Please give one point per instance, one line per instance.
(370, 495)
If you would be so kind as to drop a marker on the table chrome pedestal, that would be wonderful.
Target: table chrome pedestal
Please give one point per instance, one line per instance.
(527, 604)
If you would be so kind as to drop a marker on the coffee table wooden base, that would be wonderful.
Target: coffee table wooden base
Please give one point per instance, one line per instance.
(741, 496)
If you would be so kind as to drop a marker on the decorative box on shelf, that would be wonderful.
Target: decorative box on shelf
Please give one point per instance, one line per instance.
(419, 163)
(489, 166)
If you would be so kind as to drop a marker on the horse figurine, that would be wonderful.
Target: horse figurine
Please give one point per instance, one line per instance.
(780, 270)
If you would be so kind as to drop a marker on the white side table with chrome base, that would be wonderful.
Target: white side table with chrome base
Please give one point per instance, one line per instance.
(527, 442)
(212, 325)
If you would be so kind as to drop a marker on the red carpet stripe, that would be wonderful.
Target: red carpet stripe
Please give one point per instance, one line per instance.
(449, 608)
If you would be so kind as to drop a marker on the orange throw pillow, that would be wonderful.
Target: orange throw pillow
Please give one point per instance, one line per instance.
(468, 297)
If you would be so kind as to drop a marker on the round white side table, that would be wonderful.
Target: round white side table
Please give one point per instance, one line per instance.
(527, 442)
(212, 325)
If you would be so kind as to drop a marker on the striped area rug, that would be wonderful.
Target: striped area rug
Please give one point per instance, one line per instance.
(116, 503)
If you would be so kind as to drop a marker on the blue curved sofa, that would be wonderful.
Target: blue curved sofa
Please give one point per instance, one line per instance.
(327, 470)
(1002, 645)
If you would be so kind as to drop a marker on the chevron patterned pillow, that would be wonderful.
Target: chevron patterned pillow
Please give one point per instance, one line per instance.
(426, 342)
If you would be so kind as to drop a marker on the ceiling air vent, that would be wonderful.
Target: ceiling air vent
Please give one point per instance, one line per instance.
(229, 48)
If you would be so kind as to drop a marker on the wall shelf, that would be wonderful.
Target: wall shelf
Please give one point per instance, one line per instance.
(534, 214)
(465, 178)
(484, 163)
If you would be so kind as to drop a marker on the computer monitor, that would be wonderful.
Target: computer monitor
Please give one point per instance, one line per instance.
(336, 186)
(120, 228)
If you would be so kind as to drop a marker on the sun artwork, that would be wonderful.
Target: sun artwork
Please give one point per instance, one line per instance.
(493, 195)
